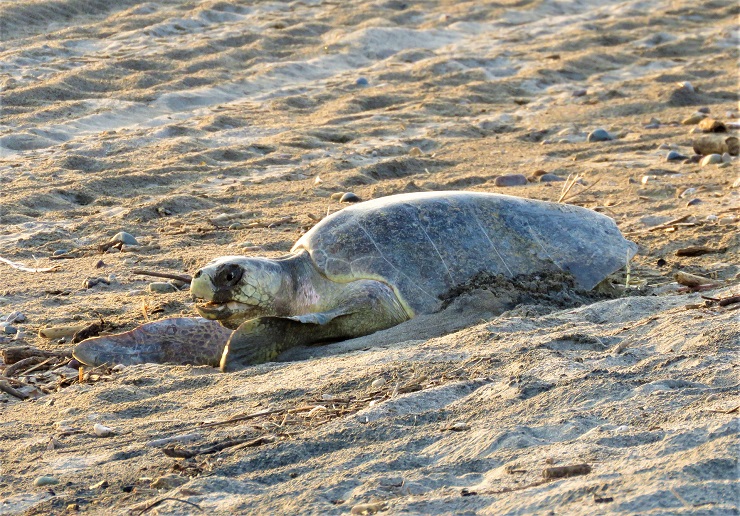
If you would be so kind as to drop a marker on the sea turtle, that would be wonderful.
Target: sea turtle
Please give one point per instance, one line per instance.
(365, 268)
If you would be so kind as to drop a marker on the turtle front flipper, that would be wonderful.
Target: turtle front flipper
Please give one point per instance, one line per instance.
(178, 340)
(364, 307)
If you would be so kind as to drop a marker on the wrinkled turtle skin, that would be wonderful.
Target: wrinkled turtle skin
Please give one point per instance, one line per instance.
(371, 266)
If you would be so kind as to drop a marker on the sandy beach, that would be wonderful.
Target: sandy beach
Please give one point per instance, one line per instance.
(207, 128)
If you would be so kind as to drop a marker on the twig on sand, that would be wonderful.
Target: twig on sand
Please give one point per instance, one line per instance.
(5, 387)
(13, 370)
(169, 498)
(723, 301)
(185, 453)
(23, 268)
(725, 411)
(670, 223)
(569, 182)
(694, 281)
(566, 471)
(181, 277)
(244, 417)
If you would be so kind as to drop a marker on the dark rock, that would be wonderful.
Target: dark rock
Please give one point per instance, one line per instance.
(349, 197)
(510, 180)
(599, 135)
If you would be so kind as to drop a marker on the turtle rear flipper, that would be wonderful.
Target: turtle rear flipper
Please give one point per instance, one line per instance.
(177, 340)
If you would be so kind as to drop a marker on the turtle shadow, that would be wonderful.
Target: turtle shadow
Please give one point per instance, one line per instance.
(478, 301)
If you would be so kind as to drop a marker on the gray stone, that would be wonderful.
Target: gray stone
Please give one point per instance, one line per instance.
(675, 156)
(599, 135)
(45, 480)
(162, 287)
(510, 180)
(550, 178)
(712, 159)
(125, 238)
(349, 197)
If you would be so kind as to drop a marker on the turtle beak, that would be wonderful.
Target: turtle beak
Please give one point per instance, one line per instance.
(201, 286)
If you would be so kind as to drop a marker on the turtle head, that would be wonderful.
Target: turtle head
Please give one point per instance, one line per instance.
(233, 289)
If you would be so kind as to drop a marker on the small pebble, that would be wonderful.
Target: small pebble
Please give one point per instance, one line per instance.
(510, 180)
(91, 282)
(125, 238)
(349, 197)
(100, 264)
(336, 196)
(704, 109)
(378, 382)
(686, 85)
(688, 192)
(664, 146)
(136, 292)
(675, 156)
(712, 159)
(415, 152)
(237, 225)
(724, 221)
(710, 125)
(113, 250)
(693, 202)
(15, 317)
(712, 218)
(7, 329)
(579, 93)
(60, 252)
(694, 119)
(550, 178)
(45, 480)
(736, 184)
(362, 81)
(599, 135)
(102, 430)
(161, 287)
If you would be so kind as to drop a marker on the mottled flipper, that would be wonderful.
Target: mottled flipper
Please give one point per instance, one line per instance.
(179, 340)
(365, 307)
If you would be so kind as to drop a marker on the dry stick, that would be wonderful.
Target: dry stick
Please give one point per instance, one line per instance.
(154, 504)
(186, 453)
(670, 223)
(579, 192)
(18, 353)
(567, 186)
(37, 366)
(181, 277)
(723, 301)
(12, 370)
(23, 268)
(5, 387)
(245, 417)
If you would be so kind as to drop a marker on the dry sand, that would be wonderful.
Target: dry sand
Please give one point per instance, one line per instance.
(158, 118)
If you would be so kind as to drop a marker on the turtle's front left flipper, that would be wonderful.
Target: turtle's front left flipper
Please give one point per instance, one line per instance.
(363, 308)
(179, 340)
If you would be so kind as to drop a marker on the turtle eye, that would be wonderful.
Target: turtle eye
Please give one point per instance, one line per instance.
(228, 276)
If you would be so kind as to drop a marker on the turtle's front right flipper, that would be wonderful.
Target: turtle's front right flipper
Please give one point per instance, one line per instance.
(177, 340)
